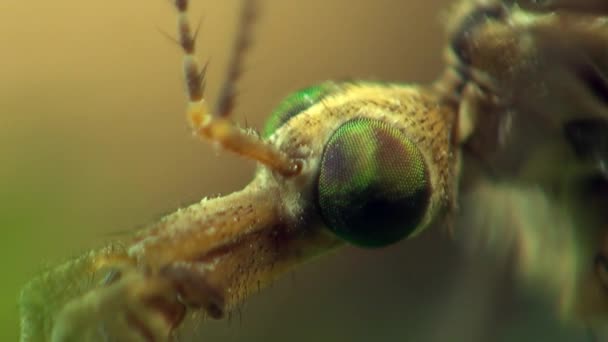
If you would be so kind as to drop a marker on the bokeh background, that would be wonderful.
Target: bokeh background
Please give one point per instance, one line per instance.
(93, 142)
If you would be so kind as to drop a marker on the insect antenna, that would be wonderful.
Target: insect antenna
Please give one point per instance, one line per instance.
(216, 126)
(228, 94)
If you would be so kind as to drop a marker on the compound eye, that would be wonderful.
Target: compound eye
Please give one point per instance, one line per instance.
(373, 187)
(296, 103)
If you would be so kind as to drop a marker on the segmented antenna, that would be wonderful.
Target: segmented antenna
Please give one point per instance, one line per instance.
(227, 97)
(216, 126)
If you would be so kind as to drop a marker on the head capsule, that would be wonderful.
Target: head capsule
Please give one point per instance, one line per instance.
(378, 156)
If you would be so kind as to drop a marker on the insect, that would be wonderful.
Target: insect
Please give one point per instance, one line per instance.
(370, 164)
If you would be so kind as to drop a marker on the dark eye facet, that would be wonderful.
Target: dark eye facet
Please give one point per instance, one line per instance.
(373, 187)
(296, 103)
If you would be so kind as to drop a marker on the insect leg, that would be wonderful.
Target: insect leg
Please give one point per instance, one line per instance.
(135, 307)
(97, 296)
(586, 6)
(194, 288)
(215, 126)
(533, 73)
(537, 60)
(463, 85)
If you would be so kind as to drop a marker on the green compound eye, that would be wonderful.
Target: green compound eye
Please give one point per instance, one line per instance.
(295, 103)
(373, 187)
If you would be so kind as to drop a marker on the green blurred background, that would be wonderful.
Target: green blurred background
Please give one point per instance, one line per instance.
(93, 142)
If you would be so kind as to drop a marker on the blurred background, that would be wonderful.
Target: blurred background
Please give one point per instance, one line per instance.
(93, 142)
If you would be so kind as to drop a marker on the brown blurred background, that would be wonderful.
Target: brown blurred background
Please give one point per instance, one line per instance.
(93, 142)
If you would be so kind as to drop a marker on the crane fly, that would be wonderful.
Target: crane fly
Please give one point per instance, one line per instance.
(512, 138)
